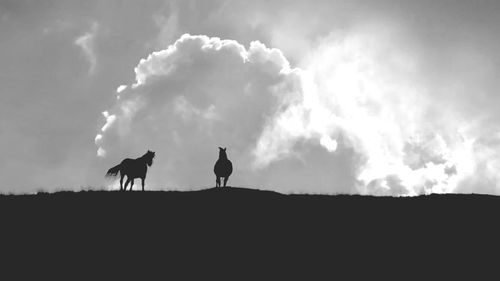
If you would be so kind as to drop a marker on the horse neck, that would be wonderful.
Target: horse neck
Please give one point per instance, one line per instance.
(143, 158)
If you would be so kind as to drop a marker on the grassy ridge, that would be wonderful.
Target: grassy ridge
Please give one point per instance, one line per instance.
(252, 210)
(227, 228)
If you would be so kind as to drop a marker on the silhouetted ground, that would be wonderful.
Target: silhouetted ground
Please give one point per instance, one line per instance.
(228, 226)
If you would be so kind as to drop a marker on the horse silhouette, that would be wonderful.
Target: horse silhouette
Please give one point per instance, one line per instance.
(223, 167)
(133, 169)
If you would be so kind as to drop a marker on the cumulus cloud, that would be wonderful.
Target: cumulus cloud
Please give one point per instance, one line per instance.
(363, 87)
(196, 95)
(86, 43)
(360, 98)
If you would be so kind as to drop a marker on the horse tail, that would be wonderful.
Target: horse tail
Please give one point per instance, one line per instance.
(113, 172)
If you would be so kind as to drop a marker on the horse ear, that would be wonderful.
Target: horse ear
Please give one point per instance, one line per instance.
(220, 147)
(224, 149)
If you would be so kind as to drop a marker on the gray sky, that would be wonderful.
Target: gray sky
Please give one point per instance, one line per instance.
(373, 97)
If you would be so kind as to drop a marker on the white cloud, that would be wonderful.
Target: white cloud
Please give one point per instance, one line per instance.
(98, 138)
(360, 93)
(363, 87)
(87, 43)
(101, 152)
(329, 143)
(121, 88)
(110, 119)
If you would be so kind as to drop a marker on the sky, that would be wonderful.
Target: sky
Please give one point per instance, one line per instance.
(367, 97)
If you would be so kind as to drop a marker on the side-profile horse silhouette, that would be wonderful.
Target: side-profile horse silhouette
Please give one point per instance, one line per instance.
(223, 167)
(133, 169)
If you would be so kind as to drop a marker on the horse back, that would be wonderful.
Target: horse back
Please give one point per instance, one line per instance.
(223, 168)
(127, 161)
(134, 168)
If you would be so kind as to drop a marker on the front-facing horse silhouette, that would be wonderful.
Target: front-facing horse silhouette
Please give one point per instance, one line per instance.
(223, 167)
(133, 169)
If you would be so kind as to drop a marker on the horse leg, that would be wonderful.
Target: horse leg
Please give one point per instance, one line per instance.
(217, 182)
(121, 181)
(126, 184)
(132, 185)
(225, 181)
(142, 182)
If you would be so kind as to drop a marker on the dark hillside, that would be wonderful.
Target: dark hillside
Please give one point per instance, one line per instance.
(260, 226)
(232, 209)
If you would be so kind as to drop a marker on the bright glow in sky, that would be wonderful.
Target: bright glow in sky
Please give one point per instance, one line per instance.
(362, 97)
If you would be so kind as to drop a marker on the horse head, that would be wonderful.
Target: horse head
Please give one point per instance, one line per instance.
(149, 157)
(222, 153)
